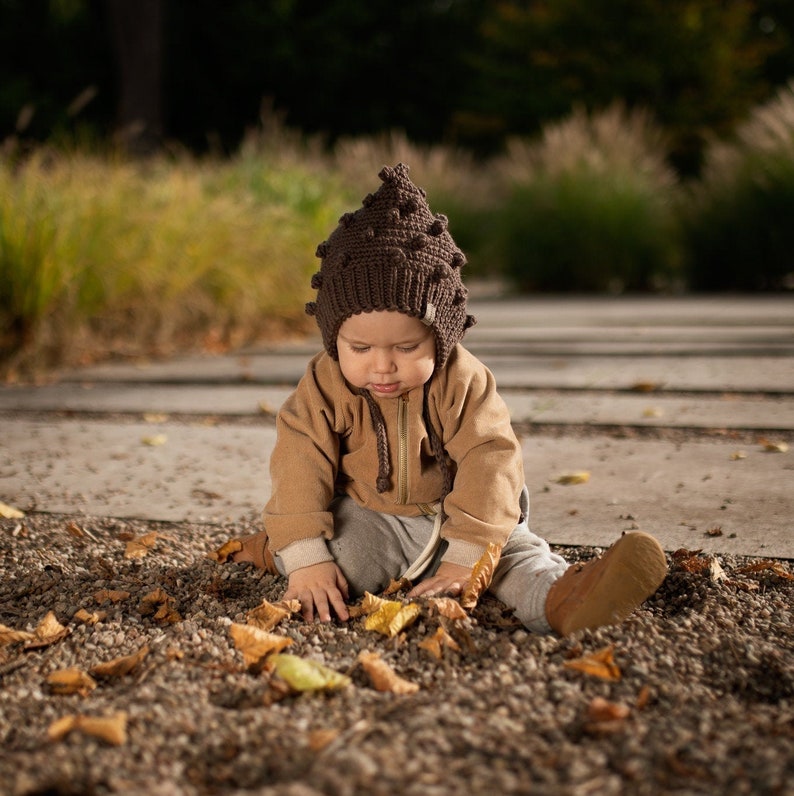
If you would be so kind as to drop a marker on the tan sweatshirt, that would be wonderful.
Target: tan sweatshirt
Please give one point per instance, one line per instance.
(326, 446)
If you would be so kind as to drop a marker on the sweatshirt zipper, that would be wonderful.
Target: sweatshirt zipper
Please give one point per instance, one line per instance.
(402, 453)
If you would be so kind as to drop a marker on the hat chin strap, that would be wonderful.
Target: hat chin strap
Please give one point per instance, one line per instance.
(430, 314)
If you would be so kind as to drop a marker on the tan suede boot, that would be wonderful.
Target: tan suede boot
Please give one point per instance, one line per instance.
(606, 590)
(256, 550)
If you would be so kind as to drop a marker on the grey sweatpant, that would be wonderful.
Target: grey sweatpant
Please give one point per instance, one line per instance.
(371, 549)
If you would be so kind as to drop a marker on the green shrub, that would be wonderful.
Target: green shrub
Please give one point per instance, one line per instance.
(590, 207)
(739, 227)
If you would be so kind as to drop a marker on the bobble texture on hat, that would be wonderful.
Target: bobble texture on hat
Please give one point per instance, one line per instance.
(393, 253)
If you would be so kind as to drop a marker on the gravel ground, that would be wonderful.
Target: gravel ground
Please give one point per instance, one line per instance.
(704, 703)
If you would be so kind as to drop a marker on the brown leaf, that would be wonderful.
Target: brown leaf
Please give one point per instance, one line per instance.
(256, 644)
(119, 667)
(49, 631)
(111, 729)
(646, 386)
(224, 553)
(775, 567)
(318, 739)
(436, 643)
(71, 681)
(111, 595)
(396, 586)
(772, 446)
(448, 607)
(643, 698)
(160, 606)
(10, 636)
(81, 615)
(139, 547)
(481, 576)
(599, 664)
(383, 677)
(267, 615)
(691, 561)
(392, 617)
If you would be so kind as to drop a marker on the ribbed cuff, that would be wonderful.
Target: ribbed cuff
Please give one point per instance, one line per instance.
(465, 554)
(304, 553)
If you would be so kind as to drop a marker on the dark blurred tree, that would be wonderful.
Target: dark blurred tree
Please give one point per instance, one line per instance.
(136, 33)
(696, 64)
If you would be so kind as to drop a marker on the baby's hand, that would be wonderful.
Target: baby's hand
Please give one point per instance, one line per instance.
(319, 587)
(449, 579)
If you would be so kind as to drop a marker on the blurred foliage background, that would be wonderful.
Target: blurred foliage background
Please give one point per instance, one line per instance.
(168, 166)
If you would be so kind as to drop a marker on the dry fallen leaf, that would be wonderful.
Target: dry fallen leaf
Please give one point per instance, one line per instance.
(306, 675)
(737, 455)
(138, 548)
(154, 417)
(772, 446)
(160, 606)
(397, 585)
(81, 615)
(645, 386)
(10, 513)
(71, 681)
(601, 709)
(318, 739)
(436, 643)
(267, 615)
(383, 677)
(775, 567)
(652, 411)
(569, 479)
(392, 617)
(599, 664)
(256, 644)
(224, 553)
(481, 576)
(119, 667)
(10, 636)
(49, 631)
(111, 595)
(155, 440)
(111, 729)
(448, 607)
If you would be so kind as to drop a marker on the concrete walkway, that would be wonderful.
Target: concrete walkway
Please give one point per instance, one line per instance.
(668, 404)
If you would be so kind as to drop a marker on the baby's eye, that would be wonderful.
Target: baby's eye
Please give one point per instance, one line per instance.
(406, 349)
(359, 349)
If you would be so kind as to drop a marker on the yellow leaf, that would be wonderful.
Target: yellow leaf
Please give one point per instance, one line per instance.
(568, 479)
(10, 636)
(155, 440)
(392, 617)
(256, 644)
(481, 576)
(225, 551)
(138, 548)
(154, 417)
(772, 446)
(652, 411)
(600, 664)
(435, 644)
(448, 607)
(71, 681)
(10, 513)
(119, 667)
(111, 729)
(266, 615)
(371, 603)
(305, 675)
(383, 677)
(49, 631)
(737, 455)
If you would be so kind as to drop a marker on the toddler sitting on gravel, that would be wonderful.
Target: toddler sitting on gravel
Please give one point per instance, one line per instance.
(395, 456)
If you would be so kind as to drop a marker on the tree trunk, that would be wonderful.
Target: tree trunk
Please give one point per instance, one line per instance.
(136, 28)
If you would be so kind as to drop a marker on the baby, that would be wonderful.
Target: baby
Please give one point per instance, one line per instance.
(395, 456)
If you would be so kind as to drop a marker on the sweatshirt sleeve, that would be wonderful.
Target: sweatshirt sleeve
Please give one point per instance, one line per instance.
(483, 505)
(304, 462)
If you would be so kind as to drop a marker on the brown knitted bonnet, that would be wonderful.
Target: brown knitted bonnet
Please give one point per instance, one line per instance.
(392, 254)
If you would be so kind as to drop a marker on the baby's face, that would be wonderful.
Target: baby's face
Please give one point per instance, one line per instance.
(386, 352)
